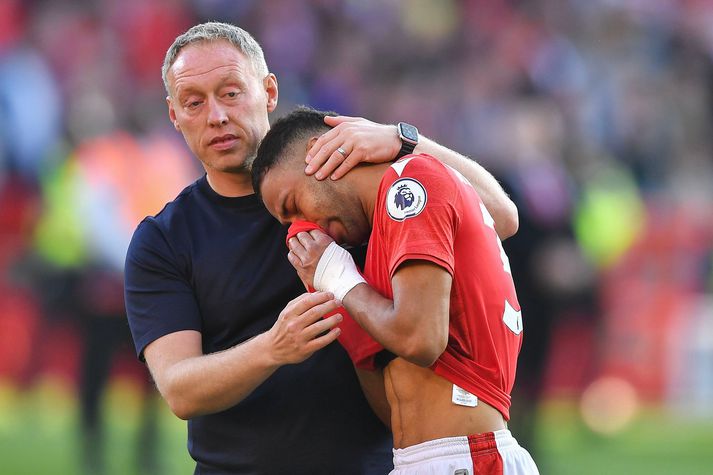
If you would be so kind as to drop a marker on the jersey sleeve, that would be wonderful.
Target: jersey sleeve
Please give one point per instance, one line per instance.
(420, 219)
(159, 299)
(359, 345)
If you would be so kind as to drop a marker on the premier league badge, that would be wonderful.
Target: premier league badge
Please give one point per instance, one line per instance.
(405, 199)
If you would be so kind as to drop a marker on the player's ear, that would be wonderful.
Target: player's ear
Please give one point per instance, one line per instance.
(311, 142)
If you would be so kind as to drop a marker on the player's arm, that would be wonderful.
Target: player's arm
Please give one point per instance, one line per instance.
(414, 325)
(194, 384)
(370, 142)
(496, 201)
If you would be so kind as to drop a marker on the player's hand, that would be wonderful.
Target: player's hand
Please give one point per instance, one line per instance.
(361, 140)
(300, 329)
(306, 248)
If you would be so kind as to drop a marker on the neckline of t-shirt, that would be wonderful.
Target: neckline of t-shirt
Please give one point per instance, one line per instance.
(247, 201)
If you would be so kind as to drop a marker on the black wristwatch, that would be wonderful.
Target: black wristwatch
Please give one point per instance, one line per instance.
(409, 138)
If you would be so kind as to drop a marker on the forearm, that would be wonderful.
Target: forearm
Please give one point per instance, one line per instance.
(194, 384)
(497, 202)
(214, 382)
(390, 326)
(414, 325)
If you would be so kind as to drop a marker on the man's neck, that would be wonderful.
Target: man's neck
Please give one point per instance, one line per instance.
(230, 184)
(366, 180)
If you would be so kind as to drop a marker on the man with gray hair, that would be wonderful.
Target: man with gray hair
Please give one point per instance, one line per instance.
(215, 308)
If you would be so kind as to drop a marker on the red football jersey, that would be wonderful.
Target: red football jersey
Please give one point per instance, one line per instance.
(426, 210)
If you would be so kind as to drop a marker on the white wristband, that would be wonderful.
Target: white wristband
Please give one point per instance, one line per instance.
(336, 272)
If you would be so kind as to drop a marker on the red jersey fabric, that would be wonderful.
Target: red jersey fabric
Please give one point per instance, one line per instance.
(299, 226)
(426, 210)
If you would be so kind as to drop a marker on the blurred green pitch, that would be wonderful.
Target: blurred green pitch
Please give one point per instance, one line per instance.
(39, 434)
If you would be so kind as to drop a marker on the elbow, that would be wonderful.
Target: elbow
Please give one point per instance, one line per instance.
(180, 407)
(182, 413)
(424, 350)
(179, 403)
(510, 222)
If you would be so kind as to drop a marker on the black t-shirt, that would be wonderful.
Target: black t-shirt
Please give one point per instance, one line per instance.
(218, 265)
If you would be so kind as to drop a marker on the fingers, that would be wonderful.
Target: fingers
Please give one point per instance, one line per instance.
(319, 236)
(324, 156)
(327, 138)
(294, 259)
(308, 247)
(305, 251)
(344, 167)
(318, 146)
(298, 250)
(322, 326)
(304, 240)
(329, 156)
(297, 245)
(334, 121)
(314, 315)
(303, 273)
(361, 140)
(324, 340)
(301, 330)
(305, 302)
(324, 330)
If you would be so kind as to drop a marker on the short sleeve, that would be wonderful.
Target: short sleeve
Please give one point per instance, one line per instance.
(159, 298)
(420, 219)
(360, 346)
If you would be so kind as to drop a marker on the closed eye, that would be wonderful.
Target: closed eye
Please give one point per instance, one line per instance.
(283, 215)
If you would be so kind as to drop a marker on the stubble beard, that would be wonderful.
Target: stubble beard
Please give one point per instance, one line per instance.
(244, 166)
(346, 212)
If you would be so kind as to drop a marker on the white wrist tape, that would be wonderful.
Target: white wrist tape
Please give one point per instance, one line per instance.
(336, 272)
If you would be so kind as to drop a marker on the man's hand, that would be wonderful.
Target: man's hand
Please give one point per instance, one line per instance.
(361, 140)
(305, 251)
(323, 265)
(300, 330)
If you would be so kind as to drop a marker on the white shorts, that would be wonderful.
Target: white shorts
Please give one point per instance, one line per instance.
(491, 453)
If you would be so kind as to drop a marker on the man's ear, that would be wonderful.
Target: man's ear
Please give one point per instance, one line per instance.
(270, 84)
(172, 113)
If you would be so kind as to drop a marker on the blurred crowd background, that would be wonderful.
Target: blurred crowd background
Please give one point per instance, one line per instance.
(596, 115)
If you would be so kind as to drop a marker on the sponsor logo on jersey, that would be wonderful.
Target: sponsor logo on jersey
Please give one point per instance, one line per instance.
(405, 199)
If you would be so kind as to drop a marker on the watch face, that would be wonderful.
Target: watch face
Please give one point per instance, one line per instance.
(409, 132)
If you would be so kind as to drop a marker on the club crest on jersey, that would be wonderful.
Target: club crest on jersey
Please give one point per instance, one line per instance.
(405, 199)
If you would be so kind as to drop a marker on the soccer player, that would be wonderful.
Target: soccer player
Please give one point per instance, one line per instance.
(437, 293)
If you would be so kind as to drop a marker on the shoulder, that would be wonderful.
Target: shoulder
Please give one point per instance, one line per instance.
(177, 209)
(180, 205)
(154, 232)
(424, 169)
(413, 181)
(418, 164)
